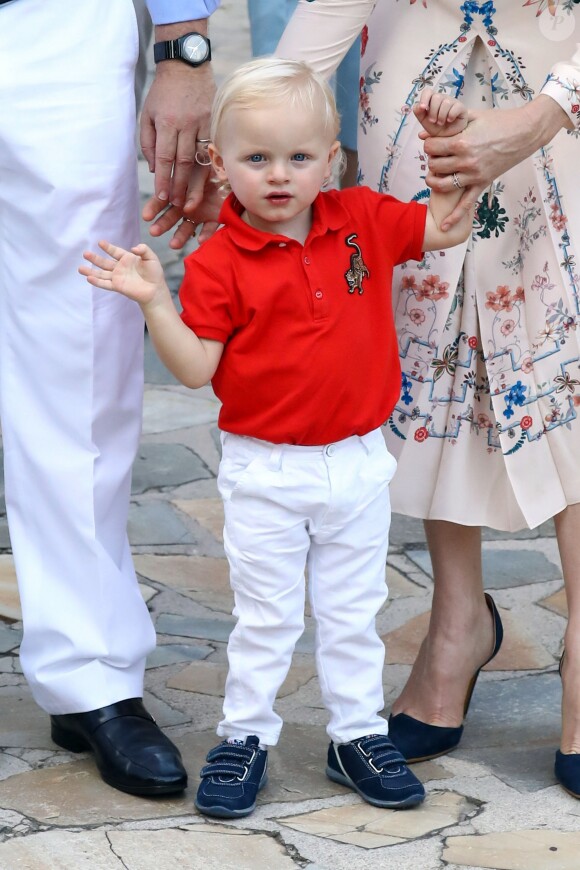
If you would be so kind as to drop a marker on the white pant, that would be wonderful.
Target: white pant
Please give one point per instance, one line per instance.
(327, 508)
(70, 355)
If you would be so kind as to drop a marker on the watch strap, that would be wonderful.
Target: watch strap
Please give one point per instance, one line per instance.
(171, 50)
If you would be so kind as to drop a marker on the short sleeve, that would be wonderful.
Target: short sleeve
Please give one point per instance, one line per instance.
(207, 301)
(173, 11)
(400, 224)
(563, 85)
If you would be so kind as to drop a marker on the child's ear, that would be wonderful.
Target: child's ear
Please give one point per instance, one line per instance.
(217, 162)
(334, 149)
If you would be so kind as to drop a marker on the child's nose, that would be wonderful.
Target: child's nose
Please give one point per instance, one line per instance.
(278, 171)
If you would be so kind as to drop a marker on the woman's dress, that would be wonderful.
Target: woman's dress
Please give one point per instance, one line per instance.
(487, 428)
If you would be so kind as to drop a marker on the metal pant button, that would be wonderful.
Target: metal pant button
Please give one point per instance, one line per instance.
(330, 450)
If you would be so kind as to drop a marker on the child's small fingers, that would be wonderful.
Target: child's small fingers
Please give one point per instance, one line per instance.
(99, 262)
(112, 250)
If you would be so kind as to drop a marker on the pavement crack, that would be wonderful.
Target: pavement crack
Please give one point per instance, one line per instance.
(117, 856)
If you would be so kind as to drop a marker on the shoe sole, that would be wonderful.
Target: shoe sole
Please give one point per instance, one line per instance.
(421, 758)
(76, 743)
(221, 812)
(410, 801)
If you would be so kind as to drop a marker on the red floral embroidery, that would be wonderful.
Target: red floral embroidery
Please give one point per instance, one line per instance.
(421, 434)
(526, 422)
(501, 300)
(472, 342)
(576, 108)
(432, 288)
(364, 38)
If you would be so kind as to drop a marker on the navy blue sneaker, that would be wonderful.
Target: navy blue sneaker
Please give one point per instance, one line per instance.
(231, 781)
(375, 768)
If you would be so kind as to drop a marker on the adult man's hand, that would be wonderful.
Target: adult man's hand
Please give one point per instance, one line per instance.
(175, 117)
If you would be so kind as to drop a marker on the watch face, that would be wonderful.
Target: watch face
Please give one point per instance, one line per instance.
(194, 48)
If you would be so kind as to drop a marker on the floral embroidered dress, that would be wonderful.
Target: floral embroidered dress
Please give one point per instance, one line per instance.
(487, 428)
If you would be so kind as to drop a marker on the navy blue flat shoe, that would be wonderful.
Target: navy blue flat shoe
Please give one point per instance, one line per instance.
(419, 741)
(567, 765)
(567, 771)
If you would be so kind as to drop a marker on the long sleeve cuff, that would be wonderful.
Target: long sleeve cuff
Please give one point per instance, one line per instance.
(172, 11)
(563, 85)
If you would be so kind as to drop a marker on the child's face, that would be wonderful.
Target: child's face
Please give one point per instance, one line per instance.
(275, 158)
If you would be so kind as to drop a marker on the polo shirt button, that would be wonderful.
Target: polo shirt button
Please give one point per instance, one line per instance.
(319, 294)
(330, 450)
(307, 260)
(282, 244)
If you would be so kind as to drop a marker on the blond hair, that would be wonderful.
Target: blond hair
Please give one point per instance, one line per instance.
(275, 80)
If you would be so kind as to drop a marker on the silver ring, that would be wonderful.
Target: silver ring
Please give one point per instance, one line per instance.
(187, 220)
(202, 158)
(456, 182)
(203, 141)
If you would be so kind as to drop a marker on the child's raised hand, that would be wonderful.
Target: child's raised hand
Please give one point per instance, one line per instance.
(137, 273)
(439, 114)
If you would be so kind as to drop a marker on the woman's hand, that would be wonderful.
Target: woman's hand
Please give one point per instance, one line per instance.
(494, 141)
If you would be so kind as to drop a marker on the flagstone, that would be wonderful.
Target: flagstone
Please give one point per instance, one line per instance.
(516, 850)
(400, 586)
(556, 602)
(208, 512)
(196, 846)
(519, 651)
(208, 678)
(154, 523)
(59, 850)
(167, 409)
(173, 653)
(504, 569)
(202, 578)
(159, 466)
(9, 598)
(371, 827)
(74, 794)
(10, 638)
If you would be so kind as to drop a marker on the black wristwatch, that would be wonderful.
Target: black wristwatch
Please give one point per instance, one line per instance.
(192, 48)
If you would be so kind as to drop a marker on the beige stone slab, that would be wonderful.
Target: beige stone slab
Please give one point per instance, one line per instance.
(209, 678)
(208, 512)
(74, 794)
(516, 850)
(373, 827)
(556, 602)
(213, 847)
(9, 598)
(59, 850)
(200, 846)
(519, 651)
(400, 586)
(202, 578)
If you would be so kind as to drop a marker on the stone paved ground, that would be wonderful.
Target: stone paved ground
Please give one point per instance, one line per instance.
(492, 804)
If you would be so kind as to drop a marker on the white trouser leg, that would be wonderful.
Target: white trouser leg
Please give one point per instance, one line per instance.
(70, 355)
(279, 503)
(347, 588)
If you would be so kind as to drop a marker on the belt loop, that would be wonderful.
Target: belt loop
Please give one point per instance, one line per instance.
(275, 458)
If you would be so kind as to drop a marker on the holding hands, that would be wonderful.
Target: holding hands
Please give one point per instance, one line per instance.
(440, 115)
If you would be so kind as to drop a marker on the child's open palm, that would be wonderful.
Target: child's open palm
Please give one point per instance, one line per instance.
(137, 273)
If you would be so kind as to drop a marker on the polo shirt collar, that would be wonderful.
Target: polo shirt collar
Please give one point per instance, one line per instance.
(328, 214)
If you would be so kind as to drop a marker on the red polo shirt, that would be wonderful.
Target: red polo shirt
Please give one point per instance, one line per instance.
(305, 361)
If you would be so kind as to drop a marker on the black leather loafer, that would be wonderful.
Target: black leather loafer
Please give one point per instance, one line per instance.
(131, 751)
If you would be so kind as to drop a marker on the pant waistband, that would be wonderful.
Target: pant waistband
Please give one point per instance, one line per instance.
(256, 444)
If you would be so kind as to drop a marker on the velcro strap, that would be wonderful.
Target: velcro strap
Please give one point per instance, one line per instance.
(223, 769)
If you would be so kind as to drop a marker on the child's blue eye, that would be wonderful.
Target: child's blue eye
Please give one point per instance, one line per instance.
(255, 158)
(299, 158)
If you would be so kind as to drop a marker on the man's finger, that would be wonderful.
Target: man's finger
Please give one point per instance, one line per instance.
(165, 150)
